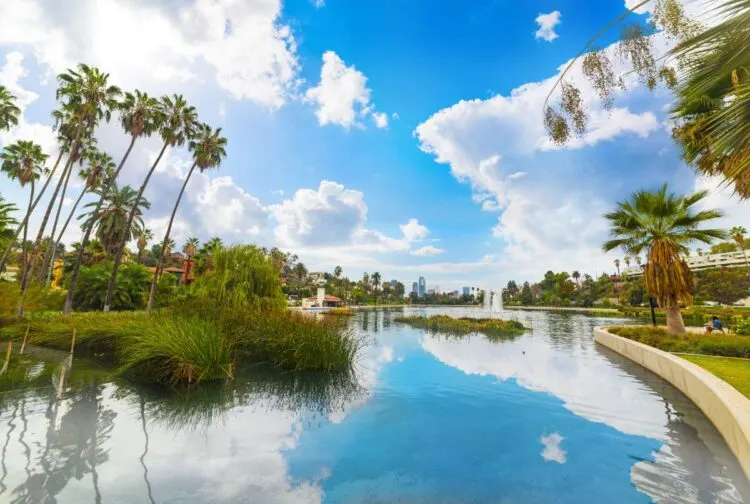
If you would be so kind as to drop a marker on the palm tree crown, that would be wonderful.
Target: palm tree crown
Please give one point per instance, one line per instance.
(738, 235)
(9, 111)
(23, 161)
(138, 113)
(177, 120)
(87, 94)
(111, 220)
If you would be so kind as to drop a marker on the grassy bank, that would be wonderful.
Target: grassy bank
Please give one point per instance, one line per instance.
(465, 325)
(734, 317)
(713, 344)
(735, 372)
(192, 346)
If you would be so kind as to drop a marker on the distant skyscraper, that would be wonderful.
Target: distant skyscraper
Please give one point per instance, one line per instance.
(394, 283)
(415, 288)
(467, 291)
(422, 287)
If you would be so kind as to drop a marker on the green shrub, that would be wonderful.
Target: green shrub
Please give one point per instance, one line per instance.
(709, 344)
(131, 289)
(38, 298)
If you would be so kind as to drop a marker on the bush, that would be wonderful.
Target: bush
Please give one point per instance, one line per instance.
(38, 298)
(465, 325)
(131, 289)
(709, 344)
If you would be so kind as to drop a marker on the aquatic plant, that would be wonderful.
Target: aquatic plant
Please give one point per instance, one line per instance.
(465, 325)
(345, 312)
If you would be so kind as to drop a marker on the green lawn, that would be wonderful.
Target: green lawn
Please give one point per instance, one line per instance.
(735, 372)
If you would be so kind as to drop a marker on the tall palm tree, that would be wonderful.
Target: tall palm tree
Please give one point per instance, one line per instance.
(617, 265)
(177, 122)
(664, 225)
(23, 161)
(144, 236)
(112, 221)
(6, 221)
(9, 111)
(627, 260)
(738, 234)
(99, 168)
(138, 113)
(208, 148)
(638, 260)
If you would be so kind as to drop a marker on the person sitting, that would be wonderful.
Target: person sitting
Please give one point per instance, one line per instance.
(715, 325)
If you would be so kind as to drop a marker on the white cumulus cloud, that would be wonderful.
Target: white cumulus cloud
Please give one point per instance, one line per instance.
(547, 24)
(427, 250)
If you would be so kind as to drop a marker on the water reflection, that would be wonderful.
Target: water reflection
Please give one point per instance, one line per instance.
(546, 417)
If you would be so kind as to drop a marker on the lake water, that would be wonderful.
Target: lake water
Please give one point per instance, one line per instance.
(548, 417)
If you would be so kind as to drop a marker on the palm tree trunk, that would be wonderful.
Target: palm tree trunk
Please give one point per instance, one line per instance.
(40, 235)
(124, 239)
(25, 220)
(675, 325)
(73, 281)
(48, 253)
(744, 254)
(160, 263)
(24, 257)
(59, 237)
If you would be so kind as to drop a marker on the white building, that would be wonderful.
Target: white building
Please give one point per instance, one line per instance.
(701, 262)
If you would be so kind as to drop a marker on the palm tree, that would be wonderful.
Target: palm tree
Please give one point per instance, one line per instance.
(713, 102)
(576, 275)
(617, 265)
(23, 161)
(375, 279)
(627, 260)
(638, 260)
(738, 234)
(9, 111)
(6, 221)
(191, 246)
(138, 114)
(100, 168)
(112, 221)
(337, 272)
(208, 148)
(144, 236)
(177, 122)
(699, 251)
(663, 224)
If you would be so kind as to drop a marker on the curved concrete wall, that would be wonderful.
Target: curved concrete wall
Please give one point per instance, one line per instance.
(720, 402)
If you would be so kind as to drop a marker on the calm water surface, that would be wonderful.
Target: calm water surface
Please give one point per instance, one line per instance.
(548, 417)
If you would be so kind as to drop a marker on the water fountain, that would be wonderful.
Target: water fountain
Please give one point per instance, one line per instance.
(497, 302)
(487, 299)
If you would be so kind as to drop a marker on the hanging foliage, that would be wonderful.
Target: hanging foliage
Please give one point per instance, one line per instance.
(556, 126)
(572, 104)
(598, 70)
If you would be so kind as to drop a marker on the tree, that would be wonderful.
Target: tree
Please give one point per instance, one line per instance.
(9, 111)
(6, 221)
(375, 279)
(191, 246)
(23, 161)
(208, 148)
(663, 224)
(617, 265)
(723, 248)
(177, 122)
(723, 285)
(138, 114)
(337, 272)
(627, 259)
(527, 297)
(738, 234)
(143, 236)
(577, 276)
(112, 221)
(99, 168)
(638, 260)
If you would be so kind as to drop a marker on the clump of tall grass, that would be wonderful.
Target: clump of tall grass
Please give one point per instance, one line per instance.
(293, 340)
(38, 298)
(465, 325)
(175, 349)
(709, 344)
(340, 312)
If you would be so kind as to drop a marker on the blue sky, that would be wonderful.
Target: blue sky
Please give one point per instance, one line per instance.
(403, 137)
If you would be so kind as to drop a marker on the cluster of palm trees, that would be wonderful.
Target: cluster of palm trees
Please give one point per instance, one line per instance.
(86, 100)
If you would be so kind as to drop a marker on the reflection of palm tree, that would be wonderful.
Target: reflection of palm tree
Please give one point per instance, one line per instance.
(145, 450)
(12, 427)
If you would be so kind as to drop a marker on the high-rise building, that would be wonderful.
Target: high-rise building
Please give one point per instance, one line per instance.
(422, 287)
(467, 291)
(415, 288)
(394, 283)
